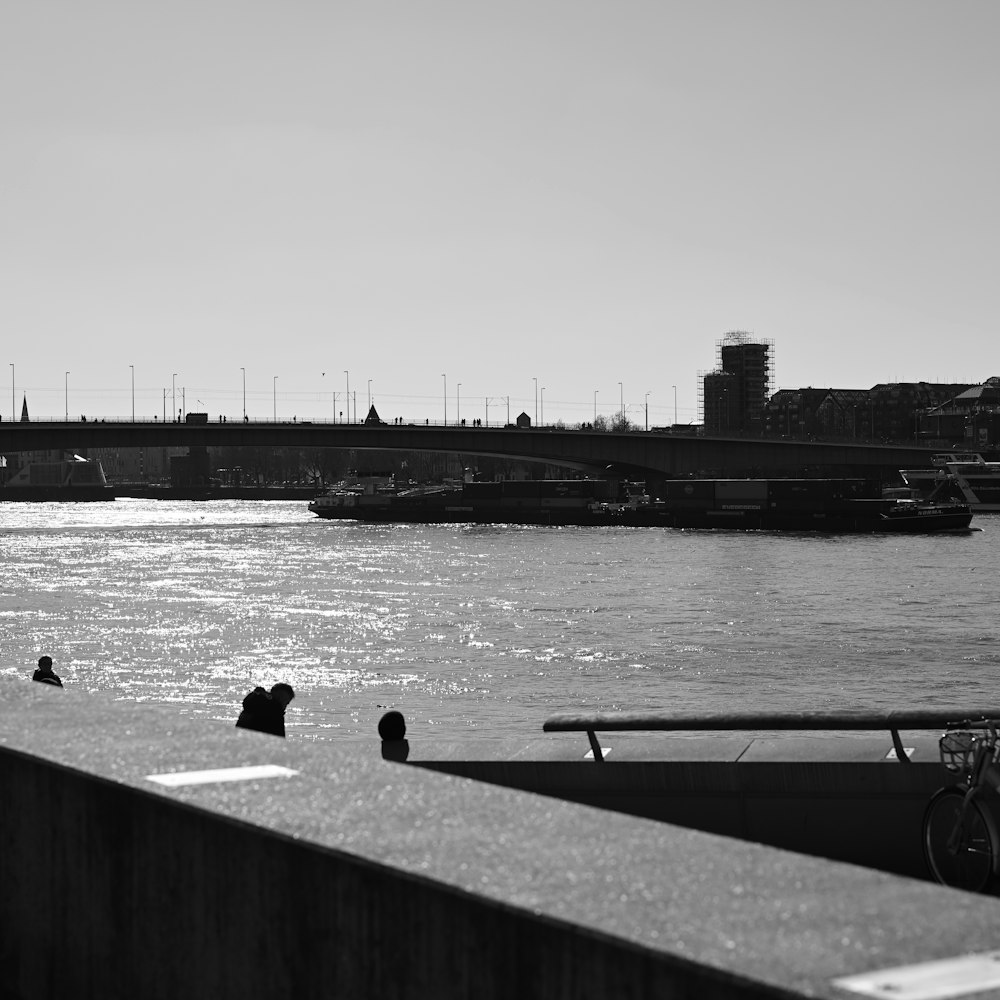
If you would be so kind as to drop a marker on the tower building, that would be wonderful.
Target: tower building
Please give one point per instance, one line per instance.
(735, 394)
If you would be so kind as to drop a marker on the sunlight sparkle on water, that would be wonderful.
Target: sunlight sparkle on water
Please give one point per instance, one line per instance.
(191, 605)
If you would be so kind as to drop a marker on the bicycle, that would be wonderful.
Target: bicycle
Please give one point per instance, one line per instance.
(960, 839)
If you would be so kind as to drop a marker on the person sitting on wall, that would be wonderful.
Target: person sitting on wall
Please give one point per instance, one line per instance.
(44, 673)
(264, 711)
(392, 729)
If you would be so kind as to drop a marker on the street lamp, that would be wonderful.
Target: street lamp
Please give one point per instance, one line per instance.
(445, 378)
(274, 387)
(173, 396)
(244, 394)
(595, 406)
(369, 394)
(621, 393)
(647, 410)
(535, 380)
(542, 422)
(347, 377)
(675, 405)
(13, 404)
(458, 403)
(133, 392)
(66, 390)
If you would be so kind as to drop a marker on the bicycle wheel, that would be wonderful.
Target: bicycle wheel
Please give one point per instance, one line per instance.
(970, 863)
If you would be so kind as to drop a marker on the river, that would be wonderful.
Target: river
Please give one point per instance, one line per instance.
(471, 630)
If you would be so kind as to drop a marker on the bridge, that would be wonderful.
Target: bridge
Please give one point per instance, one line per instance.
(641, 454)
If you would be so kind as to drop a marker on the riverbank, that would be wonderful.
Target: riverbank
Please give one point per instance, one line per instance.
(280, 868)
(147, 492)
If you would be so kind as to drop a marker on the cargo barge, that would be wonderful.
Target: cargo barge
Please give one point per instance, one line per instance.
(833, 505)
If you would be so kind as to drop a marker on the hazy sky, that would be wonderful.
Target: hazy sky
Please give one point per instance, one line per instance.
(576, 192)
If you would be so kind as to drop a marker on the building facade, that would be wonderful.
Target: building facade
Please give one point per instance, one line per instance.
(735, 395)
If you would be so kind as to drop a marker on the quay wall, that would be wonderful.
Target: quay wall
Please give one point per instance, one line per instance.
(349, 876)
(862, 812)
(142, 897)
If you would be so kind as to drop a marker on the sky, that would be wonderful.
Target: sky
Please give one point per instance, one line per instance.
(454, 207)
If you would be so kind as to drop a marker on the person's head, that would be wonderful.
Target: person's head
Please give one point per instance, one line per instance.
(392, 726)
(282, 693)
(45, 662)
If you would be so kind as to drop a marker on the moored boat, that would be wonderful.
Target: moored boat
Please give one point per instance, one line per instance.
(70, 480)
(965, 476)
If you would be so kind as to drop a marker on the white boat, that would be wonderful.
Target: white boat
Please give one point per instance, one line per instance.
(962, 475)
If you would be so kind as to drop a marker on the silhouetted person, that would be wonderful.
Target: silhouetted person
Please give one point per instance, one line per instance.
(44, 673)
(392, 729)
(265, 710)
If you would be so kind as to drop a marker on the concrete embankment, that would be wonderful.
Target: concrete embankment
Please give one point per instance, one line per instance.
(343, 875)
(845, 798)
(145, 492)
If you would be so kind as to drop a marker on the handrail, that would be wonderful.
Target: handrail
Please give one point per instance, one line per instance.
(940, 718)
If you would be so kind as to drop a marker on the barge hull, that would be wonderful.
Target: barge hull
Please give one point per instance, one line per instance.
(878, 519)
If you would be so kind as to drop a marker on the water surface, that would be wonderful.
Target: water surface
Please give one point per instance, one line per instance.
(487, 629)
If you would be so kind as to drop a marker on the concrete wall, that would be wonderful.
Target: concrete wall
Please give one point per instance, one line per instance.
(110, 892)
(864, 813)
(357, 877)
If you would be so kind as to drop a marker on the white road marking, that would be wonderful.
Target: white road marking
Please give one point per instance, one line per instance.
(949, 977)
(250, 773)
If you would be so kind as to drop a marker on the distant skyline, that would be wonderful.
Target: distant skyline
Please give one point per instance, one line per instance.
(590, 195)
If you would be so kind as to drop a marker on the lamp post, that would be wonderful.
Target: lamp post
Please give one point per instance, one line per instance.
(542, 421)
(445, 378)
(647, 410)
(173, 396)
(595, 406)
(458, 403)
(274, 387)
(13, 404)
(244, 394)
(621, 394)
(535, 380)
(675, 404)
(347, 397)
(369, 394)
(133, 392)
(66, 396)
